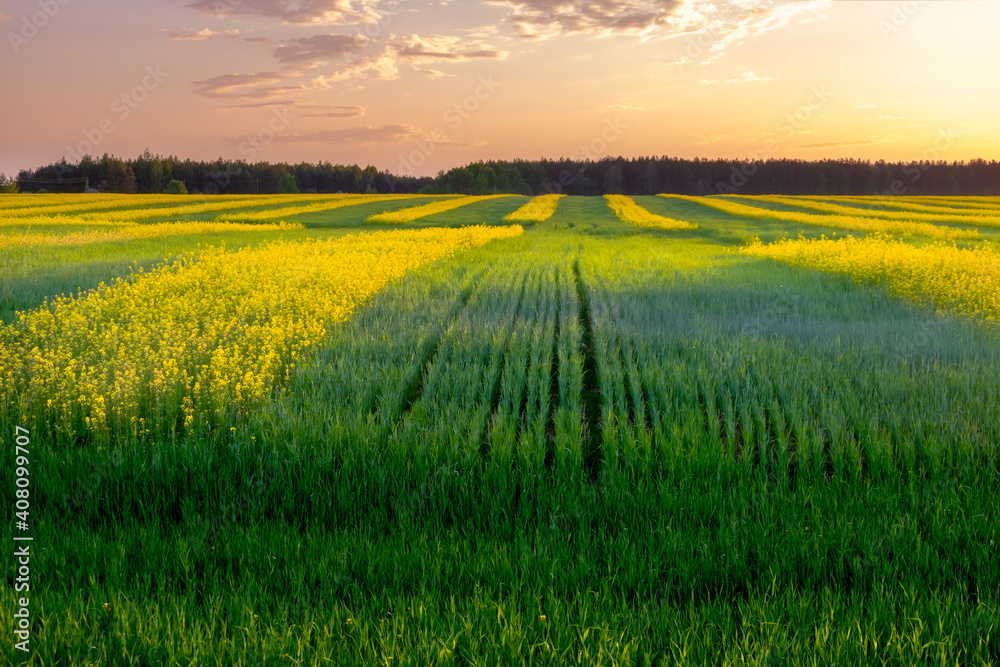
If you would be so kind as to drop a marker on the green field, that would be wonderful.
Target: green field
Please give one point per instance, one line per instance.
(590, 444)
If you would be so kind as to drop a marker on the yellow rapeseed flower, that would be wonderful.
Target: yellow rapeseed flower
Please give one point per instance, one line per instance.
(539, 209)
(416, 212)
(204, 337)
(943, 276)
(133, 231)
(628, 211)
(849, 222)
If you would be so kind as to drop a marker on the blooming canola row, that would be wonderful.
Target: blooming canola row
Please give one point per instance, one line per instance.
(203, 339)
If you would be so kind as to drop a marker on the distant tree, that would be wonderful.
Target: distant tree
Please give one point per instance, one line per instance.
(287, 185)
(486, 182)
(8, 185)
(148, 170)
(176, 187)
(113, 175)
(637, 176)
(953, 184)
(41, 191)
(370, 174)
(613, 180)
(650, 184)
(460, 181)
(357, 180)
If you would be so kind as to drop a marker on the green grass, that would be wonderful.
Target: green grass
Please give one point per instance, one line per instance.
(592, 444)
(34, 273)
(489, 212)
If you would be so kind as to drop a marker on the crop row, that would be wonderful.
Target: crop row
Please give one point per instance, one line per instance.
(985, 218)
(588, 364)
(200, 341)
(944, 277)
(418, 212)
(539, 209)
(628, 211)
(867, 223)
(131, 232)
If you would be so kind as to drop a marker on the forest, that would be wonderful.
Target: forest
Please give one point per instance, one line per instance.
(612, 175)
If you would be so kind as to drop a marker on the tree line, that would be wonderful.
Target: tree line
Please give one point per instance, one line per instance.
(699, 176)
(148, 174)
(632, 176)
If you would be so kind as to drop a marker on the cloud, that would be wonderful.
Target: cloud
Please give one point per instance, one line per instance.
(3, 17)
(250, 87)
(864, 139)
(746, 77)
(725, 21)
(383, 134)
(622, 107)
(710, 29)
(192, 35)
(293, 11)
(441, 48)
(339, 112)
(267, 104)
(414, 51)
(303, 109)
(851, 142)
(382, 66)
(541, 19)
(319, 48)
(360, 134)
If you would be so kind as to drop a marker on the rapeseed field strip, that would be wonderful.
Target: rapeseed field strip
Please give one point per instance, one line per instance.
(584, 445)
(629, 212)
(135, 215)
(949, 279)
(964, 204)
(539, 209)
(916, 205)
(856, 223)
(287, 211)
(59, 204)
(410, 214)
(986, 220)
(204, 338)
(134, 232)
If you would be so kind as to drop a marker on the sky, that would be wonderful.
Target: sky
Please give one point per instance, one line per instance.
(417, 86)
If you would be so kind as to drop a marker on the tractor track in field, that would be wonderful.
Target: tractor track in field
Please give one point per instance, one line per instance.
(630, 408)
(414, 386)
(484, 440)
(550, 421)
(593, 454)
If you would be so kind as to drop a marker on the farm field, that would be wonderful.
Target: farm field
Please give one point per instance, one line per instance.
(504, 430)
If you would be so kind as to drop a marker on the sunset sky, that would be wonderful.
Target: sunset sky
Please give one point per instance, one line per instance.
(415, 86)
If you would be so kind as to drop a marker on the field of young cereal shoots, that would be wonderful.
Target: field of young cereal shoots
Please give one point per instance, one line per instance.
(392, 430)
